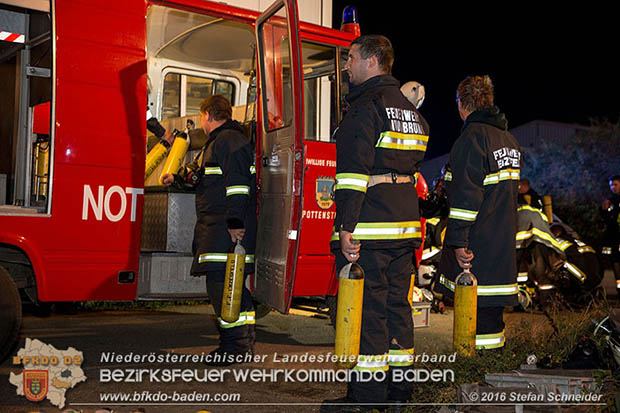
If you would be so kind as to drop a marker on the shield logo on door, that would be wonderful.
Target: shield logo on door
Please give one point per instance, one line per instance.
(36, 384)
(325, 191)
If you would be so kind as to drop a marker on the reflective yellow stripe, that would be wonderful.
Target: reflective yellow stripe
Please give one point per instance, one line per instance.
(573, 269)
(252, 170)
(447, 177)
(503, 175)
(245, 317)
(237, 190)
(221, 257)
(523, 235)
(213, 170)
(402, 141)
(586, 249)
(484, 290)
(384, 230)
(565, 244)
(488, 290)
(372, 362)
(400, 358)
(356, 182)
(489, 341)
(532, 209)
(463, 214)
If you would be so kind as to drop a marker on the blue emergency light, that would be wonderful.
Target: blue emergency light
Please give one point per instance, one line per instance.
(349, 15)
(349, 21)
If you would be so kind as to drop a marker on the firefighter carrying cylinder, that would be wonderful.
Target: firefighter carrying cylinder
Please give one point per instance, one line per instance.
(233, 284)
(465, 309)
(349, 314)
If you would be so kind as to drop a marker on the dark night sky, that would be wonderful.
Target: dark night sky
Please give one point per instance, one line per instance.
(559, 66)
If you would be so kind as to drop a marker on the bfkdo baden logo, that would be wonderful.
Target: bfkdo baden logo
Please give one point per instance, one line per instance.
(48, 372)
(35, 384)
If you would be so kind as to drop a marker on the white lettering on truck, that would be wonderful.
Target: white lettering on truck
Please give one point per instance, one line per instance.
(102, 204)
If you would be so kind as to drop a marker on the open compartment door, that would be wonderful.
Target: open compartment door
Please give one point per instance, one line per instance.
(280, 152)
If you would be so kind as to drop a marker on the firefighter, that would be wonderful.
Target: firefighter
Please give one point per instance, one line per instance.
(610, 211)
(379, 144)
(538, 249)
(582, 264)
(482, 192)
(226, 213)
(525, 188)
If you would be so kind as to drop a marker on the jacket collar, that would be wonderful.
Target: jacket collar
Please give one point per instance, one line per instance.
(490, 116)
(376, 81)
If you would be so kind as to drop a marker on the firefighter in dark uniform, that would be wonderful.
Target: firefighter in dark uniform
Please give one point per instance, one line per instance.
(379, 144)
(611, 239)
(485, 165)
(539, 251)
(582, 264)
(525, 189)
(226, 213)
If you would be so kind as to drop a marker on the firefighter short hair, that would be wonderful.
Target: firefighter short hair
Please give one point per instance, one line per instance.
(614, 178)
(475, 93)
(379, 46)
(217, 106)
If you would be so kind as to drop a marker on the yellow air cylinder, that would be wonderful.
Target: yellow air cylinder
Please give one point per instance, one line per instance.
(176, 155)
(465, 307)
(154, 158)
(233, 284)
(548, 210)
(528, 199)
(349, 314)
(43, 166)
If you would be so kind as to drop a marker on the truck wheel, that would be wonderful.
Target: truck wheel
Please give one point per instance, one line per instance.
(10, 313)
(332, 306)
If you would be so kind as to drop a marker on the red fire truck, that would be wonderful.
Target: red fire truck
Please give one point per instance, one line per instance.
(78, 222)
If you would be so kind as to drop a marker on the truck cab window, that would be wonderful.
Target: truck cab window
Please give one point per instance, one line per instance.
(183, 93)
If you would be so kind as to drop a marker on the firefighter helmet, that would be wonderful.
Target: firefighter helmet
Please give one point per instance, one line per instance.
(414, 92)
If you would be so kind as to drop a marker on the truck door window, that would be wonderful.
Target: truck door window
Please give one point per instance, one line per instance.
(320, 91)
(277, 72)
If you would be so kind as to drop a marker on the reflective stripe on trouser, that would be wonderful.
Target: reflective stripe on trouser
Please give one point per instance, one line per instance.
(490, 328)
(220, 257)
(489, 341)
(236, 337)
(245, 317)
(400, 358)
(484, 290)
(387, 325)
